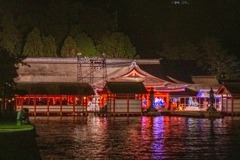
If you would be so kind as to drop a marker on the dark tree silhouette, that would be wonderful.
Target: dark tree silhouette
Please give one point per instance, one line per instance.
(8, 72)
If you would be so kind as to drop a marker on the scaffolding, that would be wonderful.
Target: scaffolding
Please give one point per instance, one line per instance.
(91, 70)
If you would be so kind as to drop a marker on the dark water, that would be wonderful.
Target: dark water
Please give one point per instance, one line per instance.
(138, 138)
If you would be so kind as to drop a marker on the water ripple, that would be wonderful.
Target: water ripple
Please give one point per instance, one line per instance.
(138, 138)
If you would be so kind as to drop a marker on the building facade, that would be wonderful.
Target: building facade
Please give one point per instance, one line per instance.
(76, 85)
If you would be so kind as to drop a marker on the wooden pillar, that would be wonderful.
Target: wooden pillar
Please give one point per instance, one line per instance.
(127, 105)
(60, 105)
(47, 105)
(109, 104)
(114, 103)
(74, 105)
(22, 102)
(226, 99)
(147, 100)
(86, 104)
(167, 99)
(222, 102)
(185, 102)
(35, 107)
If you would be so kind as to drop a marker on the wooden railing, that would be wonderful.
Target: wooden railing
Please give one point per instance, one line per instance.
(54, 109)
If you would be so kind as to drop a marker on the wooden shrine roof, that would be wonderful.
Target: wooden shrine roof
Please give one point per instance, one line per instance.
(59, 88)
(125, 87)
(230, 88)
(135, 74)
(187, 92)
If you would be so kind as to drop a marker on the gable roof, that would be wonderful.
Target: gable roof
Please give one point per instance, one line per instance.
(135, 74)
(186, 93)
(230, 88)
(125, 87)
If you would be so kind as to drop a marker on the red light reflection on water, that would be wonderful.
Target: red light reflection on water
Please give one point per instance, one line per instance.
(166, 135)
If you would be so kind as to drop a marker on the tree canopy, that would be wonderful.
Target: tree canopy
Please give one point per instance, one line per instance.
(208, 54)
(121, 29)
(49, 46)
(8, 72)
(116, 45)
(69, 48)
(34, 45)
(7, 69)
(85, 45)
(10, 35)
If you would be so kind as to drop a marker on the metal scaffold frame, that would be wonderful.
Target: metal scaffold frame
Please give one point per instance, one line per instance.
(91, 70)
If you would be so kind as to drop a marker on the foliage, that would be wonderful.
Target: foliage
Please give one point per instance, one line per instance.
(208, 54)
(34, 45)
(49, 46)
(213, 58)
(85, 45)
(151, 26)
(69, 48)
(116, 45)
(8, 72)
(10, 36)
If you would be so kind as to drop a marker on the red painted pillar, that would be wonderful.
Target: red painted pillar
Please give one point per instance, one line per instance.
(47, 105)
(74, 104)
(35, 107)
(114, 105)
(60, 105)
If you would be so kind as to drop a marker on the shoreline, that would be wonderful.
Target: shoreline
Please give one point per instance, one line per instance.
(192, 114)
(17, 143)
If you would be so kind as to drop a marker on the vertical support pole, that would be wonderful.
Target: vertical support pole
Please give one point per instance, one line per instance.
(47, 106)
(60, 105)
(127, 105)
(167, 100)
(227, 103)
(222, 103)
(22, 102)
(114, 104)
(34, 103)
(74, 105)
(148, 101)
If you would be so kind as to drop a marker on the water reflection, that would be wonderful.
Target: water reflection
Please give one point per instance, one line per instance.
(138, 138)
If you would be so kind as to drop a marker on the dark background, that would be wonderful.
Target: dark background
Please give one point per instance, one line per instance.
(152, 23)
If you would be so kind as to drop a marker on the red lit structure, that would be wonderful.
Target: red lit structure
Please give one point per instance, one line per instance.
(230, 98)
(127, 85)
(50, 92)
(72, 86)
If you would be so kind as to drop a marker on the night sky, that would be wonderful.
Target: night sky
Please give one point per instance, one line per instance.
(152, 23)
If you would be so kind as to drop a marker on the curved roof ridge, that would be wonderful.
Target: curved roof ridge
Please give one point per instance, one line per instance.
(135, 72)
